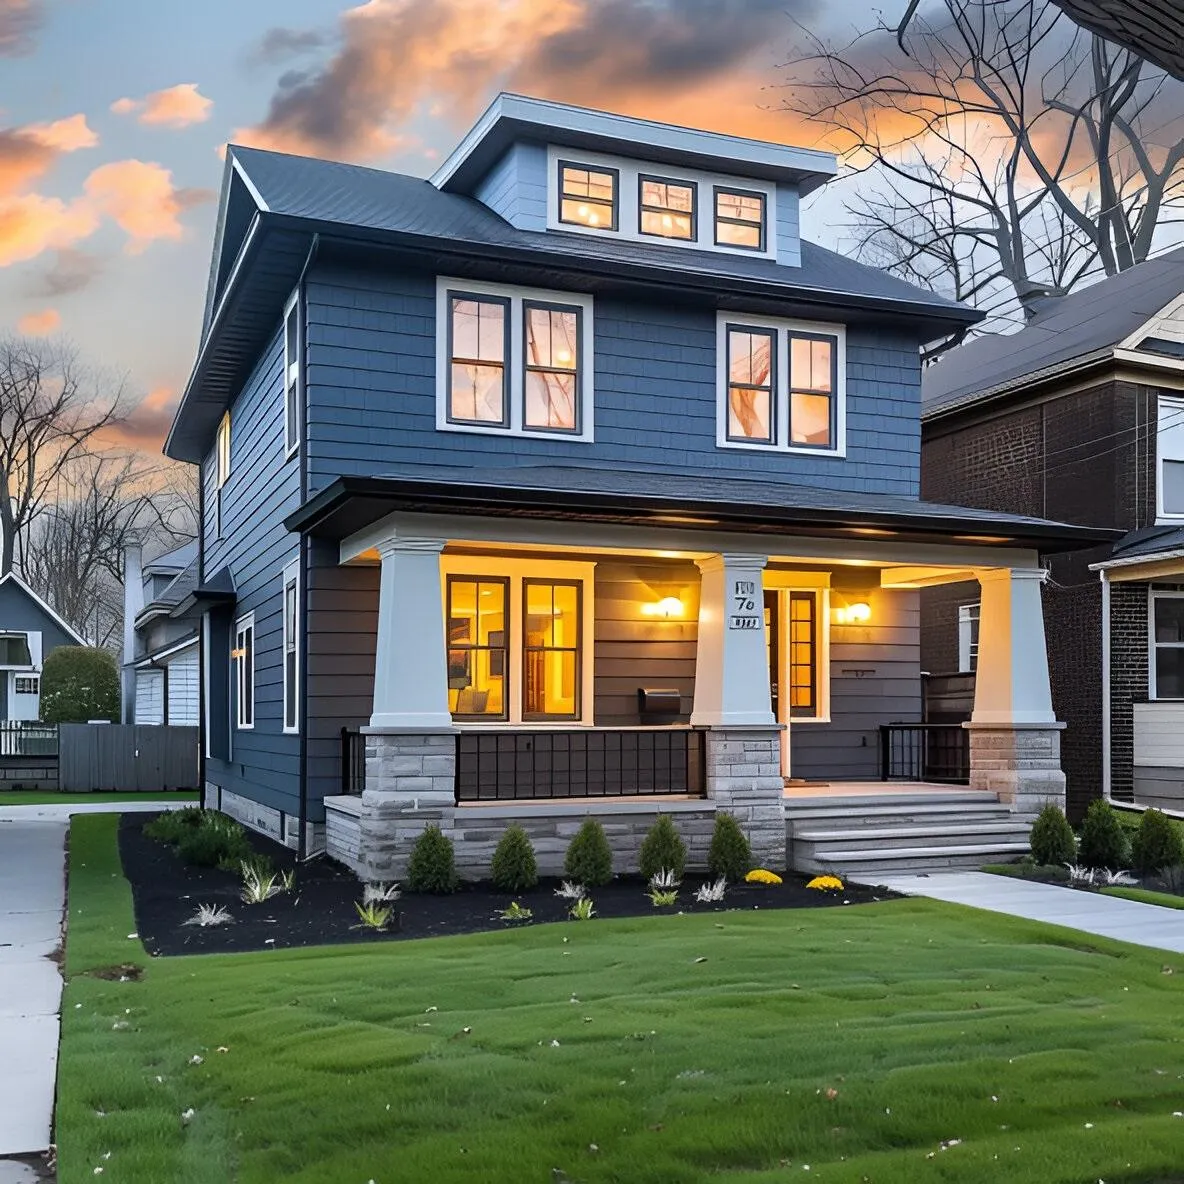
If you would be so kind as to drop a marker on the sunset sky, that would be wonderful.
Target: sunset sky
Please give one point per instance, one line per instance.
(113, 114)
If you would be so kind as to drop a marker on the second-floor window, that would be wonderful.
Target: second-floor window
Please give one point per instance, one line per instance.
(292, 374)
(221, 469)
(1170, 457)
(666, 208)
(739, 218)
(781, 385)
(588, 195)
(244, 671)
(513, 360)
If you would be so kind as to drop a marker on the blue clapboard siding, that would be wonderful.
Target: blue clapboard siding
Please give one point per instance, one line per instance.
(788, 230)
(371, 394)
(516, 187)
(263, 487)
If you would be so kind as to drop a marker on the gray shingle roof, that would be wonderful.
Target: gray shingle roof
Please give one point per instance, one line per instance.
(1084, 325)
(1149, 541)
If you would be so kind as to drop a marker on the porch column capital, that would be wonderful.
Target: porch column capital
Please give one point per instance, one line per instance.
(410, 664)
(732, 559)
(989, 575)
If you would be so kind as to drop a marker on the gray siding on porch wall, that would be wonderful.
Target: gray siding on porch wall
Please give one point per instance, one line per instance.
(372, 393)
(264, 762)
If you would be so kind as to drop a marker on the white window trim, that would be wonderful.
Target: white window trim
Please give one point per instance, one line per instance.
(1154, 594)
(629, 203)
(240, 625)
(1169, 412)
(290, 577)
(967, 646)
(221, 473)
(515, 389)
(783, 583)
(784, 329)
(517, 570)
(33, 642)
(292, 375)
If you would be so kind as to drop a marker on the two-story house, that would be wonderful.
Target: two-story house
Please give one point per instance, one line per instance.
(573, 480)
(1078, 417)
(30, 631)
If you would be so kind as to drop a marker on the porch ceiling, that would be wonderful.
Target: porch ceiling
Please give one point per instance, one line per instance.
(663, 500)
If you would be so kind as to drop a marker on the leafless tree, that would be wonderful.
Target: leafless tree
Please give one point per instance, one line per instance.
(99, 504)
(51, 407)
(1005, 154)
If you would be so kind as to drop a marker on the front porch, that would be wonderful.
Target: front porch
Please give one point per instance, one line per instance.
(522, 677)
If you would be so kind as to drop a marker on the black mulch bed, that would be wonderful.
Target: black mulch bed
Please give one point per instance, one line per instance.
(320, 910)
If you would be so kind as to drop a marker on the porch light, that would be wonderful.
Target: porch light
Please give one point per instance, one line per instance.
(668, 606)
(238, 653)
(858, 612)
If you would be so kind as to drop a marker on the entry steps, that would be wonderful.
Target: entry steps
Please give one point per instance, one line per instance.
(880, 834)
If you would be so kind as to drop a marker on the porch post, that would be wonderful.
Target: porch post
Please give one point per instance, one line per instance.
(410, 746)
(1015, 741)
(733, 702)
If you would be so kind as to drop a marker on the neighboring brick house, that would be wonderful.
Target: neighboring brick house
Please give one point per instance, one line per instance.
(1073, 418)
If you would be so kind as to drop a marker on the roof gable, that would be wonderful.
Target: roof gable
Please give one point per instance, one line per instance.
(14, 583)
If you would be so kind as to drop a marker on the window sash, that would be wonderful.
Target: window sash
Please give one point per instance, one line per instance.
(291, 659)
(575, 372)
(464, 655)
(15, 650)
(611, 204)
(673, 212)
(803, 655)
(29, 684)
(768, 388)
(800, 391)
(968, 633)
(540, 652)
(244, 644)
(757, 223)
(501, 365)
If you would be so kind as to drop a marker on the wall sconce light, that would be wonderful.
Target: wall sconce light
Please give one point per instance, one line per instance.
(238, 653)
(858, 612)
(668, 606)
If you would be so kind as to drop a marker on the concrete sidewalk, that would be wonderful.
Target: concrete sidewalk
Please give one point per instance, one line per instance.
(1148, 925)
(32, 906)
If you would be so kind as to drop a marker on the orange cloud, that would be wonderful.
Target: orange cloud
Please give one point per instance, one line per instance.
(140, 198)
(63, 135)
(146, 425)
(31, 224)
(177, 106)
(40, 324)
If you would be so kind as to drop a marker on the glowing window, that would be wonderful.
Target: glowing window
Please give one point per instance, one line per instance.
(751, 386)
(478, 336)
(588, 196)
(666, 208)
(478, 610)
(739, 219)
(551, 632)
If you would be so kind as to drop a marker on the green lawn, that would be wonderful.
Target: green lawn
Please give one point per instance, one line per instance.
(653, 1050)
(36, 797)
(1146, 896)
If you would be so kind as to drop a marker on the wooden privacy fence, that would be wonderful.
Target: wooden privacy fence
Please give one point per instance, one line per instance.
(137, 757)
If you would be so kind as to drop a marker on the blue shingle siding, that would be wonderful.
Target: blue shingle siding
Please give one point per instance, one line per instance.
(371, 394)
(263, 488)
(788, 230)
(516, 187)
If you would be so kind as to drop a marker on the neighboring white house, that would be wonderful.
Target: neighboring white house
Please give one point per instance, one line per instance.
(160, 653)
(29, 631)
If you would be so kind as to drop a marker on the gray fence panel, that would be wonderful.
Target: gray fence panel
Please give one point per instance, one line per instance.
(138, 758)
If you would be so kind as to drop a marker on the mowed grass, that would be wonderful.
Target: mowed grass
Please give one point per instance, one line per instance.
(735, 1047)
(36, 797)
(1168, 900)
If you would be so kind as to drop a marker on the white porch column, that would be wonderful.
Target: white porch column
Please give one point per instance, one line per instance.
(1015, 743)
(731, 663)
(410, 748)
(733, 701)
(411, 666)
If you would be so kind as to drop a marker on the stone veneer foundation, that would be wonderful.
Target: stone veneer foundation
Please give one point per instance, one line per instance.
(1019, 762)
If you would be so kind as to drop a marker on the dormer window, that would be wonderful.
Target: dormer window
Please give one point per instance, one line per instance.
(588, 196)
(667, 208)
(739, 219)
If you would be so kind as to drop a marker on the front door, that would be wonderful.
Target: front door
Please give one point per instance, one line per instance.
(775, 661)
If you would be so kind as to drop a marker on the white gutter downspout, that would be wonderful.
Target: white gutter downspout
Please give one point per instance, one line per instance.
(1105, 684)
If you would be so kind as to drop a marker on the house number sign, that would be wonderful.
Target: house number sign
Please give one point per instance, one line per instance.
(744, 613)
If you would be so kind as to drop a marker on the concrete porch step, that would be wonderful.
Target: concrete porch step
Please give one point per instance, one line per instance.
(831, 818)
(880, 837)
(865, 863)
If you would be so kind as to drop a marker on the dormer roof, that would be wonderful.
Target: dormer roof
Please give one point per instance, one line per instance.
(511, 118)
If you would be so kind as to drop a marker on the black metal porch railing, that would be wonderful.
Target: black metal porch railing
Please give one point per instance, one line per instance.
(925, 752)
(353, 761)
(579, 763)
(19, 738)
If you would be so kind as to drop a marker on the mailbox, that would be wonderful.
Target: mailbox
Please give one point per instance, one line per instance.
(652, 701)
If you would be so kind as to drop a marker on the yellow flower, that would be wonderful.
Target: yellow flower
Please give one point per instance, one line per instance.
(760, 876)
(825, 882)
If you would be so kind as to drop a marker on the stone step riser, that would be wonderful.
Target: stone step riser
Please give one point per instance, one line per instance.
(823, 846)
(796, 824)
(865, 869)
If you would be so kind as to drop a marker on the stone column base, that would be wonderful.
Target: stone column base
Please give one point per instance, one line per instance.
(410, 784)
(1021, 763)
(744, 779)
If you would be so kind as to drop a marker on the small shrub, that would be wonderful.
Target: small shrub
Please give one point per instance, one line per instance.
(1103, 843)
(582, 910)
(1156, 844)
(569, 891)
(259, 886)
(662, 898)
(1051, 838)
(79, 683)
(373, 915)
(218, 842)
(760, 875)
(432, 867)
(730, 855)
(210, 914)
(826, 884)
(1081, 876)
(173, 825)
(589, 860)
(663, 849)
(514, 868)
(712, 893)
(380, 893)
(516, 912)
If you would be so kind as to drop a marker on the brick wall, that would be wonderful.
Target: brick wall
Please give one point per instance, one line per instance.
(1128, 680)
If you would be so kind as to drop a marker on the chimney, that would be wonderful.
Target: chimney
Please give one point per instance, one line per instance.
(133, 605)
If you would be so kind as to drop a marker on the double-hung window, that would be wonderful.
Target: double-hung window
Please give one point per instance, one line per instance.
(780, 385)
(739, 218)
(221, 468)
(1167, 645)
(968, 619)
(243, 655)
(291, 625)
(1170, 457)
(519, 638)
(588, 195)
(513, 360)
(666, 208)
(292, 353)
